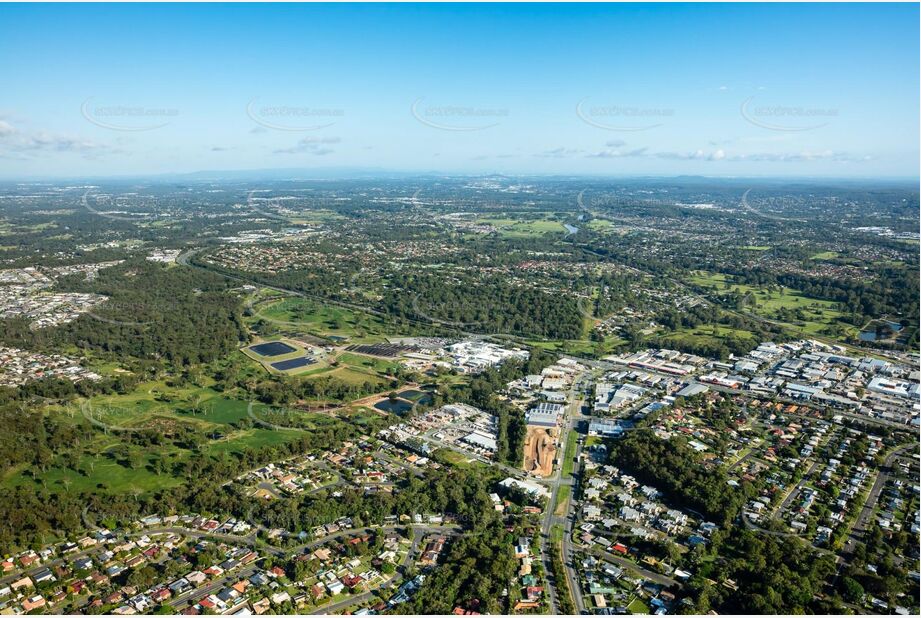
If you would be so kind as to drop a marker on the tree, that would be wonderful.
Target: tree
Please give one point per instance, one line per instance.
(852, 589)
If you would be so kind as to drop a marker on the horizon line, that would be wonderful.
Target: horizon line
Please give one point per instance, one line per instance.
(349, 173)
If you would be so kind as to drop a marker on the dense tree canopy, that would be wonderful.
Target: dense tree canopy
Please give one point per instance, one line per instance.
(674, 468)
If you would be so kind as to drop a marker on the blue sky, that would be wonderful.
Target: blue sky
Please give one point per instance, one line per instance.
(715, 89)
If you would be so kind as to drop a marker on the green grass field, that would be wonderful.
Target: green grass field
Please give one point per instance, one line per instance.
(200, 405)
(253, 439)
(817, 314)
(600, 224)
(360, 361)
(456, 459)
(571, 445)
(322, 320)
(604, 226)
(637, 606)
(565, 491)
(111, 464)
(356, 377)
(316, 216)
(567, 346)
(515, 228)
(103, 475)
(711, 334)
(562, 499)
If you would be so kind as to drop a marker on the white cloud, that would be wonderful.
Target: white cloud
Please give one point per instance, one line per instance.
(618, 154)
(15, 140)
(824, 155)
(719, 154)
(559, 153)
(318, 146)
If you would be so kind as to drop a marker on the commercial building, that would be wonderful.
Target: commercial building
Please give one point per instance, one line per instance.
(545, 414)
(481, 440)
(605, 428)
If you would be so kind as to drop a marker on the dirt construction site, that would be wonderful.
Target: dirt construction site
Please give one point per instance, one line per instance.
(540, 450)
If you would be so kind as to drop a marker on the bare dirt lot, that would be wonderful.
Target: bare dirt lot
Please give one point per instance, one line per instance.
(539, 450)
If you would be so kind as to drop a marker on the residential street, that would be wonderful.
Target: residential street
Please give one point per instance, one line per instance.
(860, 525)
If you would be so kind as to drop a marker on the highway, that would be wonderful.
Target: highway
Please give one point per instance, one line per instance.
(555, 481)
(569, 519)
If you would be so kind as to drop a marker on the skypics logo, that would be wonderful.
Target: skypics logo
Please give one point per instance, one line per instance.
(287, 209)
(109, 419)
(112, 209)
(626, 118)
(108, 309)
(255, 204)
(287, 419)
(785, 118)
(457, 118)
(115, 419)
(746, 206)
(293, 118)
(127, 118)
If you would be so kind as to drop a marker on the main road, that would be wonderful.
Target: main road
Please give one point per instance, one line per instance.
(550, 519)
(805, 404)
(570, 516)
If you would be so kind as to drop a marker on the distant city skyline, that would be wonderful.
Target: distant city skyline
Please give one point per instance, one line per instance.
(819, 90)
